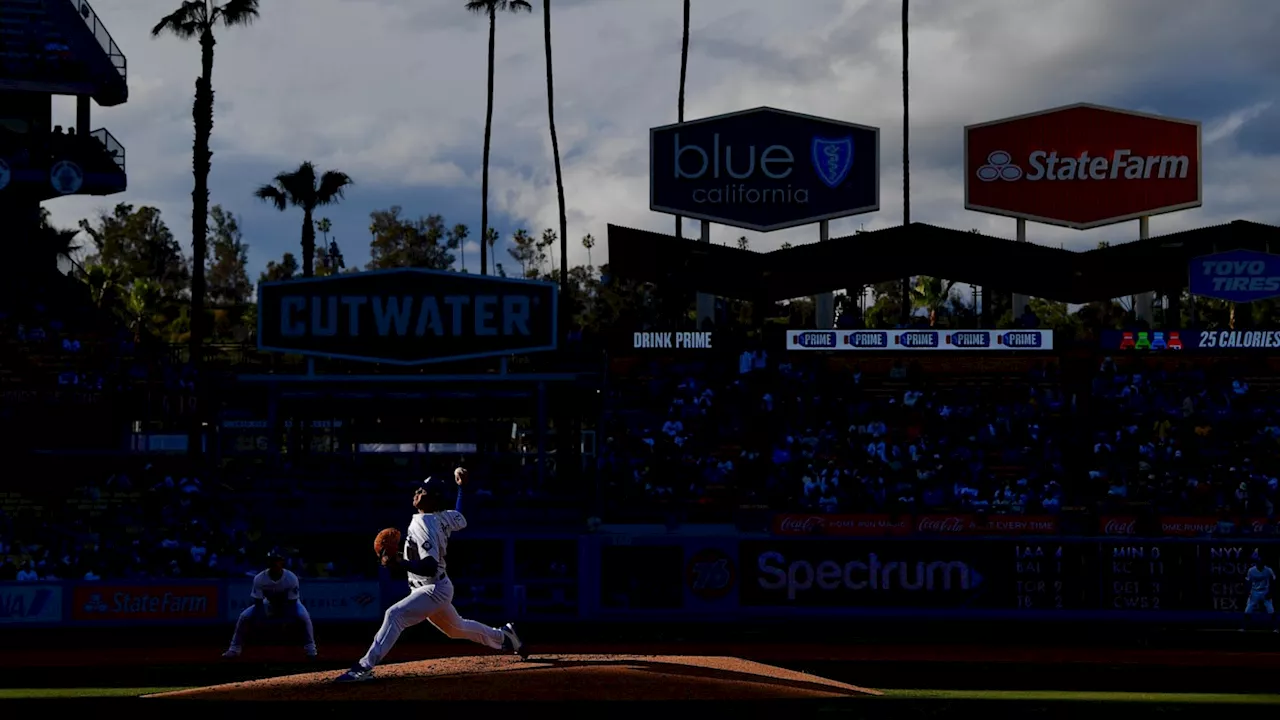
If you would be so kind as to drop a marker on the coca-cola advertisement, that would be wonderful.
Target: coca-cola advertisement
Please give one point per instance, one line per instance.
(874, 525)
(1185, 526)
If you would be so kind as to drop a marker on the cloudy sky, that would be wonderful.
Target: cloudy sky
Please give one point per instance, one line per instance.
(393, 93)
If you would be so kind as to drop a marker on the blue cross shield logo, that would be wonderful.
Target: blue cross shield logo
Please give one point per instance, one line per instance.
(832, 159)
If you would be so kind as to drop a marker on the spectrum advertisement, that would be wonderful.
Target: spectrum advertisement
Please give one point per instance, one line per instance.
(1190, 340)
(920, 340)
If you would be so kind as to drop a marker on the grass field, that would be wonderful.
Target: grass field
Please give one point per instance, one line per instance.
(1038, 696)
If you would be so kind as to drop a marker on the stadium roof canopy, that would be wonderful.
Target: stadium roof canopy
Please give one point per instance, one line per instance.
(1158, 263)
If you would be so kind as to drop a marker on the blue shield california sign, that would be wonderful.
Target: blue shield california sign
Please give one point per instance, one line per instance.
(25, 603)
(1239, 276)
(764, 169)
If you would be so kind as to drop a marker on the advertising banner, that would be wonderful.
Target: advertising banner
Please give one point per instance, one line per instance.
(142, 604)
(407, 316)
(324, 599)
(764, 169)
(853, 573)
(920, 340)
(672, 341)
(30, 603)
(1185, 526)
(1190, 340)
(868, 525)
(1082, 166)
(1239, 276)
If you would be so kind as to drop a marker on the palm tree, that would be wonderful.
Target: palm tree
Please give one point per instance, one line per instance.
(303, 188)
(588, 242)
(932, 294)
(555, 146)
(324, 226)
(458, 237)
(684, 72)
(906, 163)
(491, 8)
(490, 240)
(197, 19)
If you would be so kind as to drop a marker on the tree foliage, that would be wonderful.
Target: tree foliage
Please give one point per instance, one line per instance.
(135, 244)
(228, 269)
(398, 242)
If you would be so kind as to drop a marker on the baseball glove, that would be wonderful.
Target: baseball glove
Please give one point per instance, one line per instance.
(387, 542)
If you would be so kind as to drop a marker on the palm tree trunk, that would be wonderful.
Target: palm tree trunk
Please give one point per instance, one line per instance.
(488, 133)
(684, 72)
(201, 160)
(308, 245)
(906, 163)
(555, 146)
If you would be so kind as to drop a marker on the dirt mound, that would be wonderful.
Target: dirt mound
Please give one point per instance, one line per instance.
(546, 677)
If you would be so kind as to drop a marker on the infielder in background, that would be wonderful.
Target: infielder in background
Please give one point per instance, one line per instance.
(430, 590)
(275, 595)
(1260, 578)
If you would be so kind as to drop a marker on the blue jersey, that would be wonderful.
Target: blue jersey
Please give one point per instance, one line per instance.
(1260, 579)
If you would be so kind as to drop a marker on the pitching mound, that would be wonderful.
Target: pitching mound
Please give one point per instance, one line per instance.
(546, 677)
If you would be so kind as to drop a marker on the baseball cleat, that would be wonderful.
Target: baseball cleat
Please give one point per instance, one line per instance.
(357, 673)
(511, 641)
(231, 653)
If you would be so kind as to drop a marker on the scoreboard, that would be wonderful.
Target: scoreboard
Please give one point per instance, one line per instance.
(1029, 574)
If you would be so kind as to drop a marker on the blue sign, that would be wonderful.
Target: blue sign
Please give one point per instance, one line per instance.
(764, 169)
(407, 316)
(1237, 276)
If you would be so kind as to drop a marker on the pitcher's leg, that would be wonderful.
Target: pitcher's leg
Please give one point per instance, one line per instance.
(237, 637)
(408, 612)
(447, 619)
(304, 617)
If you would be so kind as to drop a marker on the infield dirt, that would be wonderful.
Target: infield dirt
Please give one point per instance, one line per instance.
(578, 677)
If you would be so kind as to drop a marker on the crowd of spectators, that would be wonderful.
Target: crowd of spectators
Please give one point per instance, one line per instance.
(793, 434)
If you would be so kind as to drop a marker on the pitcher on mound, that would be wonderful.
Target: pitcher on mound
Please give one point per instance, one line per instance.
(430, 591)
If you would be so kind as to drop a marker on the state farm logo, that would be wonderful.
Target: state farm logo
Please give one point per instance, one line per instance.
(942, 524)
(95, 605)
(1082, 166)
(1115, 526)
(999, 167)
(1118, 165)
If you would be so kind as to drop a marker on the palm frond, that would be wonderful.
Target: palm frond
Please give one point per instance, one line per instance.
(236, 12)
(184, 23)
(273, 195)
(333, 185)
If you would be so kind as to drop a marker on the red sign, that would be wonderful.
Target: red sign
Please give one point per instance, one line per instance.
(934, 524)
(1082, 166)
(144, 603)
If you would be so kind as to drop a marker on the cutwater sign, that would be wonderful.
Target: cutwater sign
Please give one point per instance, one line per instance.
(764, 169)
(407, 316)
(1237, 276)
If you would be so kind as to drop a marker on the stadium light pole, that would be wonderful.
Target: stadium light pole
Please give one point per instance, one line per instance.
(905, 314)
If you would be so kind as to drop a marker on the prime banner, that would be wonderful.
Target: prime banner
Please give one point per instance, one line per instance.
(920, 340)
(1012, 575)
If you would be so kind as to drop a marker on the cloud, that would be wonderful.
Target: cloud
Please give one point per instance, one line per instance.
(393, 92)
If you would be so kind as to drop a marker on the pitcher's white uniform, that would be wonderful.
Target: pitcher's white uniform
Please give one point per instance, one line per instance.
(430, 598)
(1260, 579)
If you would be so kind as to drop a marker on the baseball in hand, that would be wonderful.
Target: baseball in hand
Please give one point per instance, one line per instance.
(460, 475)
(387, 542)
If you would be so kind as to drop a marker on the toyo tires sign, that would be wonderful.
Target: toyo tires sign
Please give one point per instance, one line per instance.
(1082, 166)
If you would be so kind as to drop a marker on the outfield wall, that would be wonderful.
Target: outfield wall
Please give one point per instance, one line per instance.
(665, 577)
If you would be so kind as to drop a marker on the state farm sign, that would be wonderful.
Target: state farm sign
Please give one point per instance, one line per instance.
(1082, 166)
